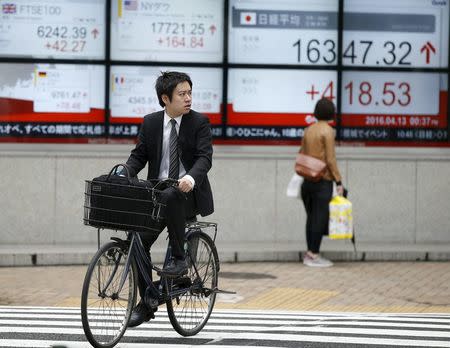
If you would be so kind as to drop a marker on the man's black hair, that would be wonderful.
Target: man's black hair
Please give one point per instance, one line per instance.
(167, 82)
(324, 110)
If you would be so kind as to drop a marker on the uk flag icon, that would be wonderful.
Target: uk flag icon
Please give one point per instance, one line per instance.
(9, 8)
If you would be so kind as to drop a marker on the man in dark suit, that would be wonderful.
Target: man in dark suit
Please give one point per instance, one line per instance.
(176, 143)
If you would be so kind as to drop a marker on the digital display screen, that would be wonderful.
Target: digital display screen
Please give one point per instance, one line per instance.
(51, 100)
(64, 61)
(394, 106)
(133, 95)
(261, 107)
(283, 32)
(401, 33)
(65, 29)
(167, 30)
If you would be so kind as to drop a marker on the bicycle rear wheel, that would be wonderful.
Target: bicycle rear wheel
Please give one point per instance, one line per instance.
(106, 309)
(191, 307)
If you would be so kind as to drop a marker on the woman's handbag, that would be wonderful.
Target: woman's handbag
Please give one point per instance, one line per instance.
(309, 167)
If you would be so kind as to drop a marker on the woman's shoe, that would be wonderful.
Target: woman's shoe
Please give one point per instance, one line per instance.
(317, 261)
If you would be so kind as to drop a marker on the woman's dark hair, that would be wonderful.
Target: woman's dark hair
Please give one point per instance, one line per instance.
(324, 110)
(166, 83)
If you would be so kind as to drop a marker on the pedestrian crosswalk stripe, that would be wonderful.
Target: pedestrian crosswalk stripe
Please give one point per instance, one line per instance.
(235, 328)
(261, 314)
(71, 344)
(250, 329)
(239, 323)
(75, 313)
(291, 338)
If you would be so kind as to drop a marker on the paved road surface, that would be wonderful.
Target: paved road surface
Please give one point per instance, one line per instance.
(351, 305)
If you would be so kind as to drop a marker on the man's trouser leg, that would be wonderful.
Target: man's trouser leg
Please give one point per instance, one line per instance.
(179, 205)
(148, 238)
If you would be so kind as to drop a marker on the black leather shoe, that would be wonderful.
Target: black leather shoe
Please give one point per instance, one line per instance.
(141, 313)
(176, 267)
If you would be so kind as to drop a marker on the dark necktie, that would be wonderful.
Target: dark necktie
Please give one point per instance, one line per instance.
(174, 166)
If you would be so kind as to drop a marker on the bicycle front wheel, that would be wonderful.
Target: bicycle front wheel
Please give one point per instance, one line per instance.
(193, 296)
(106, 305)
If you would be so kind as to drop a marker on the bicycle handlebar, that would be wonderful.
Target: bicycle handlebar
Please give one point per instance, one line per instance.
(168, 182)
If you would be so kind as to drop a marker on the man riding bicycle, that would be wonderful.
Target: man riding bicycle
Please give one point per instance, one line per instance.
(176, 143)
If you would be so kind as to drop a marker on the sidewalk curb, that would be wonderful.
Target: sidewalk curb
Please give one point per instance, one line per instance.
(79, 254)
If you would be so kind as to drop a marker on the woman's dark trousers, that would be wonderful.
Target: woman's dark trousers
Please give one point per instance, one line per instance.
(316, 197)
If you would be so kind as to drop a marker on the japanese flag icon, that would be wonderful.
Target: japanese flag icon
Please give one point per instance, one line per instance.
(248, 18)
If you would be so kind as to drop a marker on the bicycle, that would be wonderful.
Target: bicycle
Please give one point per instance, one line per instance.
(110, 285)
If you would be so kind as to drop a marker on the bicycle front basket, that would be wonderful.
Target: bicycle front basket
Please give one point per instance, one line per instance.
(122, 206)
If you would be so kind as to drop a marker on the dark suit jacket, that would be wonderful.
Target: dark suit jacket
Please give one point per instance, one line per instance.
(194, 148)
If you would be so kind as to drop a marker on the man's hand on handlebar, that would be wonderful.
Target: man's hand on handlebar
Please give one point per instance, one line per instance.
(185, 185)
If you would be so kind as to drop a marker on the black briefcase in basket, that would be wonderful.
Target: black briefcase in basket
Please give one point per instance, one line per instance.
(120, 202)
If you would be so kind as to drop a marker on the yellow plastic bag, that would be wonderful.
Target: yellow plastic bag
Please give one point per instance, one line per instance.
(340, 225)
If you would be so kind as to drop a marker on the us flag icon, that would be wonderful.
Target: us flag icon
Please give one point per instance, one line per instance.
(248, 18)
(131, 5)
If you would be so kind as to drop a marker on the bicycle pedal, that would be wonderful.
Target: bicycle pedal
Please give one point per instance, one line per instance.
(218, 291)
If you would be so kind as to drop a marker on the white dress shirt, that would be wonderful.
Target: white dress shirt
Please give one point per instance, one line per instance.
(165, 159)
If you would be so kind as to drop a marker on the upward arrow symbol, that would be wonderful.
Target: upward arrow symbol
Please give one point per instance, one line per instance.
(95, 32)
(428, 48)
